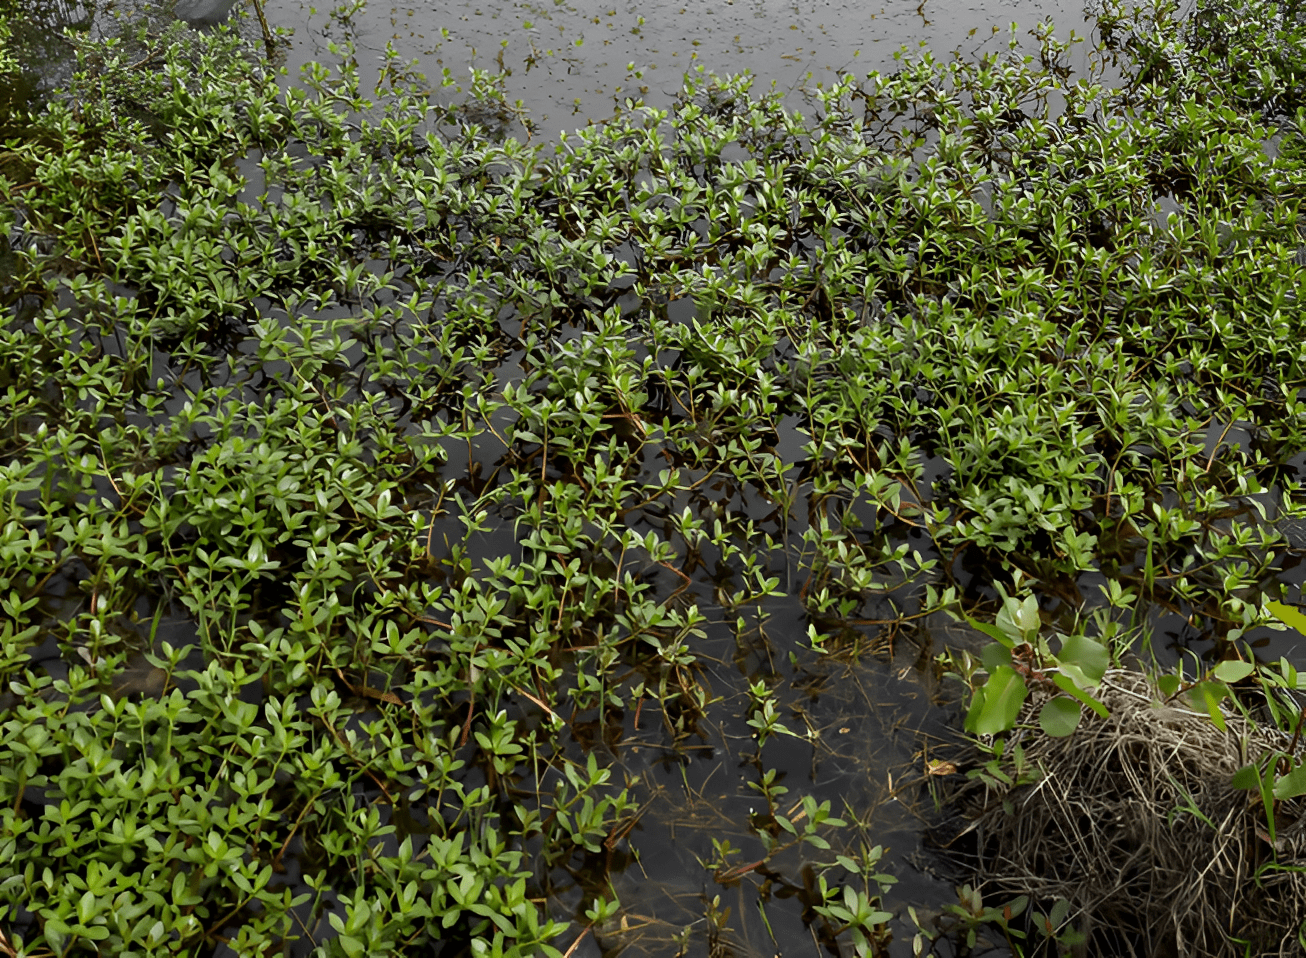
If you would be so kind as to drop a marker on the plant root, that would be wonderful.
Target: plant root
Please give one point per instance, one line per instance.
(1134, 820)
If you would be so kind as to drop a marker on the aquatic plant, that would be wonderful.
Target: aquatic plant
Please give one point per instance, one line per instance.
(384, 490)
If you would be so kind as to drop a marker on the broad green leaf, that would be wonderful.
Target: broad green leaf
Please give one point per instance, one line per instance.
(1067, 685)
(1059, 717)
(1168, 684)
(1288, 615)
(1291, 785)
(995, 656)
(1249, 776)
(1233, 671)
(1083, 659)
(999, 701)
(992, 631)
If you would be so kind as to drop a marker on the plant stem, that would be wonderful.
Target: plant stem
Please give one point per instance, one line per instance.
(268, 40)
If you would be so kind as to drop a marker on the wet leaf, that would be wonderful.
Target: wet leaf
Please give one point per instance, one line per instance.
(1020, 620)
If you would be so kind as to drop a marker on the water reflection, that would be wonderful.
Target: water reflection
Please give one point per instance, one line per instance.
(570, 63)
(203, 12)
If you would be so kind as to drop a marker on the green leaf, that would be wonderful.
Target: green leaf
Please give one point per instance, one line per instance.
(86, 908)
(992, 631)
(1020, 620)
(1067, 685)
(1233, 671)
(997, 702)
(56, 934)
(1249, 776)
(1208, 695)
(995, 656)
(1288, 615)
(1291, 785)
(1083, 659)
(1059, 717)
(1060, 912)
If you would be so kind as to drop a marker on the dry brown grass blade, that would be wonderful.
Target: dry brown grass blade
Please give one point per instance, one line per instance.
(1136, 822)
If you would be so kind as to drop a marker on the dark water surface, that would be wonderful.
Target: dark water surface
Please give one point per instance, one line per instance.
(570, 63)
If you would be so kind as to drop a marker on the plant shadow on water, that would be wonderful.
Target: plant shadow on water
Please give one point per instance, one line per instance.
(695, 874)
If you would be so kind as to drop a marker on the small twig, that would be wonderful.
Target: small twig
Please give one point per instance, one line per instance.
(148, 59)
(1296, 735)
(1210, 460)
(276, 859)
(579, 938)
(467, 725)
(268, 40)
(95, 249)
(539, 702)
(367, 771)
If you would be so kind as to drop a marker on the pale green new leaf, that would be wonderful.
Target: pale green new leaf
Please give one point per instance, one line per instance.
(1288, 615)
(1068, 686)
(992, 631)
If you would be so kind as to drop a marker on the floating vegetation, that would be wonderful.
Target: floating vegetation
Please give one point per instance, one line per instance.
(406, 523)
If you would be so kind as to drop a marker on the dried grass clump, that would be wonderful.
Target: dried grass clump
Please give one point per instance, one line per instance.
(1136, 823)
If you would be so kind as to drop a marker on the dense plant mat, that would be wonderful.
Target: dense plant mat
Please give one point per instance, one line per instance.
(373, 479)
